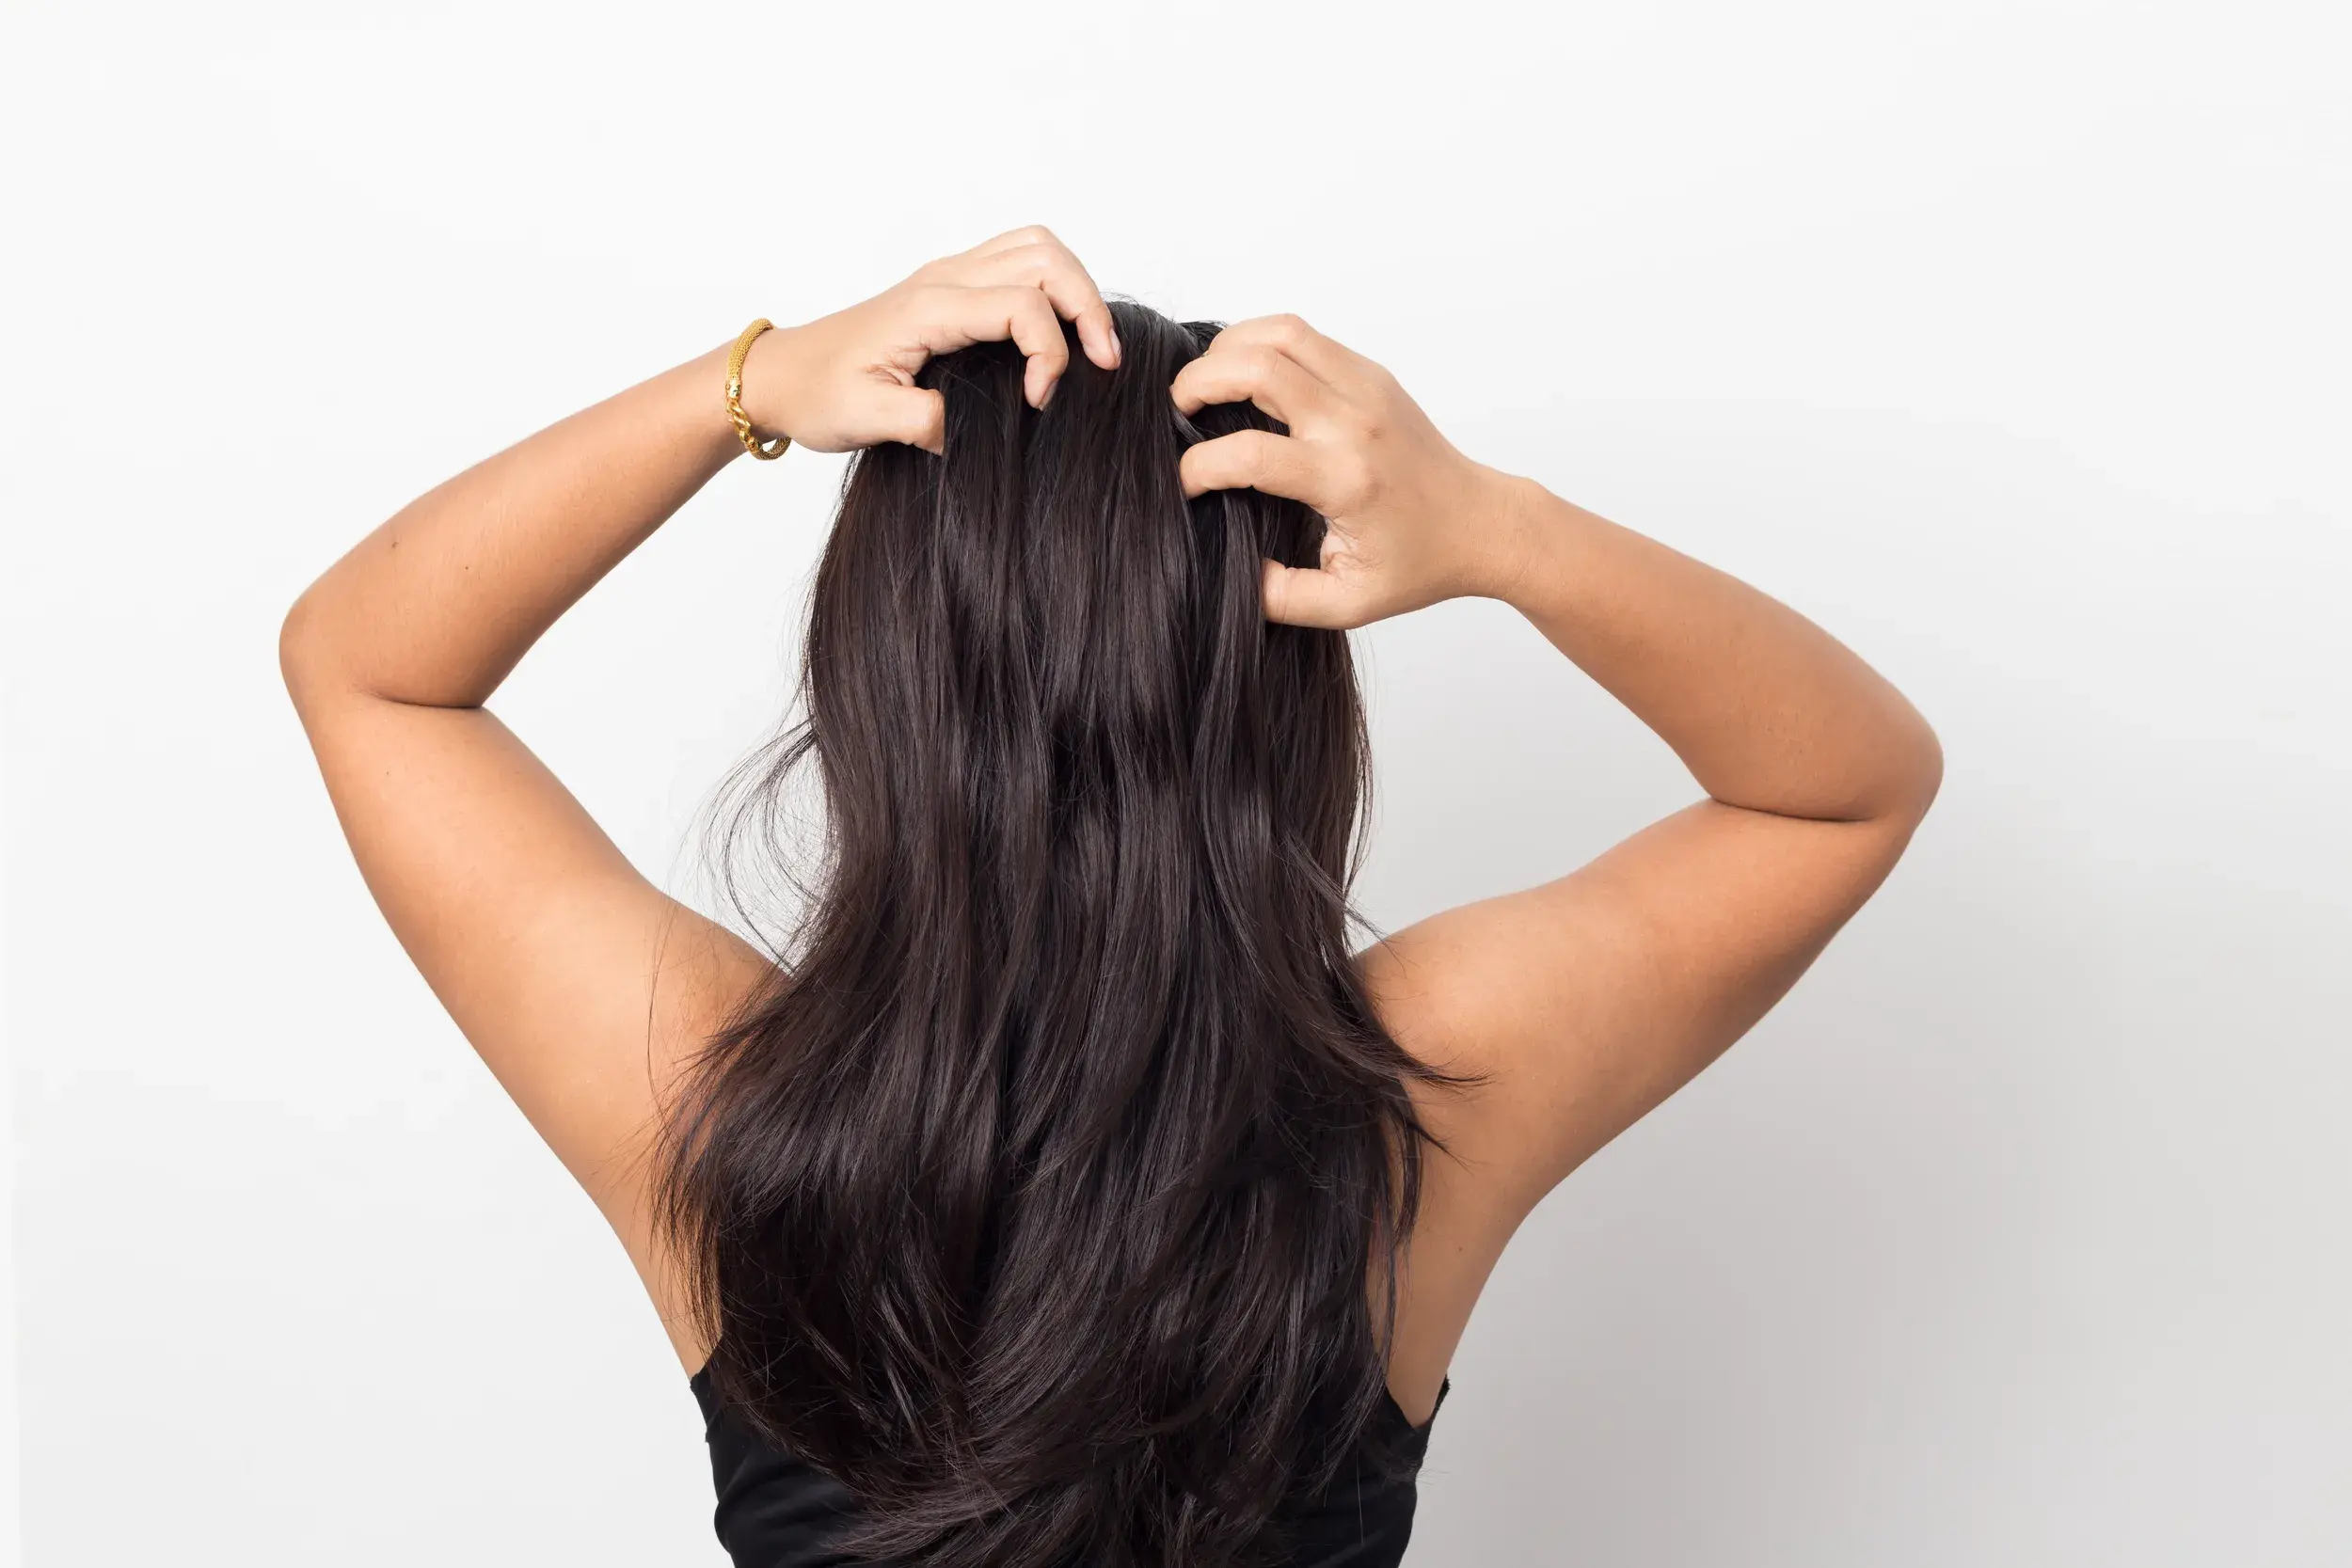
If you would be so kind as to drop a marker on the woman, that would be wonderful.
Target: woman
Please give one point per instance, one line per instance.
(1067, 1192)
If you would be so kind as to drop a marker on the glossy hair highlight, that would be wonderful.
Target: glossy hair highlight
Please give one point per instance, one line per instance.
(1051, 1197)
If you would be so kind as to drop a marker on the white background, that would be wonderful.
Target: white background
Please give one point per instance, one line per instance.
(2009, 342)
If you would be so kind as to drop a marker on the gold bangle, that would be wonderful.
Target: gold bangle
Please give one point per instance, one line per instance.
(735, 394)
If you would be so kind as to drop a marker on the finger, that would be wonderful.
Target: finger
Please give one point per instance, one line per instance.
(1049, 265)
(912, 415)
(1077, 300)
(991, 315)
(1259, 460)
(1308, 596)
(1329, 361)
(1252, 372)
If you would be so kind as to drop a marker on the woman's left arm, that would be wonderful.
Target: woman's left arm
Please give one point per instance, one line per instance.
(525, 919)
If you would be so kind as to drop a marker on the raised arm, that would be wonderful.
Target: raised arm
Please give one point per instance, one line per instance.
(530, 925)
(1591, 998)
(1606, 990)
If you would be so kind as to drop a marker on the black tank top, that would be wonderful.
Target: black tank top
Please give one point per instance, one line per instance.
(775, 1512)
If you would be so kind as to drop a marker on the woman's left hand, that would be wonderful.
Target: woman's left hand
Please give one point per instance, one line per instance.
(846, 380)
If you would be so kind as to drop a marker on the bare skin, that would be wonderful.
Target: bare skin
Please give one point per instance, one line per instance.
(1588, 1000)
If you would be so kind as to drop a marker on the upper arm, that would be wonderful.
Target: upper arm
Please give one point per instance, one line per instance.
(582, 985)
(1589, 1000)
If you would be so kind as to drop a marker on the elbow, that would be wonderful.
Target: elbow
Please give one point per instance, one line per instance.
(1931, 766)
(300, 657)
(1920, 776)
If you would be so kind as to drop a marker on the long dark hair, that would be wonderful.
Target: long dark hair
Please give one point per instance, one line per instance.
(1052, 1195)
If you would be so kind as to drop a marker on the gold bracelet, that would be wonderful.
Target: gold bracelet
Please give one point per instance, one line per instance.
(735, 394)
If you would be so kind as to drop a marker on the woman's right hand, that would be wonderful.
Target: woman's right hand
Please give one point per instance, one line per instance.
(1412, 520)
(846, 380)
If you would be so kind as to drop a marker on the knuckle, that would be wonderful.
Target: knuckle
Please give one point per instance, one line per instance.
(1289, 330)
(1255, 361)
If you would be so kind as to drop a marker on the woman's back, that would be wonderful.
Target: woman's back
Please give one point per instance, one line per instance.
(1066, 1104)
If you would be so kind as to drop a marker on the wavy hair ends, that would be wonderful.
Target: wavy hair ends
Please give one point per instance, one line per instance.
(1047, 1198)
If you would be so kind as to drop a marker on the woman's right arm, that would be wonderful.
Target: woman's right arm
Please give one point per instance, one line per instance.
(1591, 998)
(1601, 994)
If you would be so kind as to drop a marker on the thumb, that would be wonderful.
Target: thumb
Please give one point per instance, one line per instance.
(912, 415)
(1307, 596)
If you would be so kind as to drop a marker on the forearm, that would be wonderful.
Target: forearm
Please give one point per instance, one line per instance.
(1767, 710)
(439, 603)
